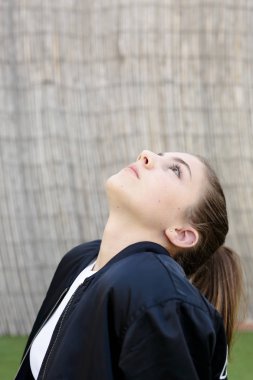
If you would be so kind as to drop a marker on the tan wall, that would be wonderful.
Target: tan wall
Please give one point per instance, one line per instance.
(84, 87)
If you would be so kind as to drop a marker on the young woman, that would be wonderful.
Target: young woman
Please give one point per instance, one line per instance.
(127, 307)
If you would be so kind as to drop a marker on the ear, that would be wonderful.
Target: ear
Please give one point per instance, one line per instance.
(184, 237)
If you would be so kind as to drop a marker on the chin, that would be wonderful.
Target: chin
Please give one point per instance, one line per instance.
(116, 181)
(110, 182)
(119, 191)
(113, 185)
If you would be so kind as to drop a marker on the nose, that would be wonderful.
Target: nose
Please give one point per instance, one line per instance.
(148, 158)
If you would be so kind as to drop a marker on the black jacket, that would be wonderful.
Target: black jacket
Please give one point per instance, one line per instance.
(138, 318)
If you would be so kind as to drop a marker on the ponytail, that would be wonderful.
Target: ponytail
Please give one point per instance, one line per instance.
(220, 281)
(213, 268)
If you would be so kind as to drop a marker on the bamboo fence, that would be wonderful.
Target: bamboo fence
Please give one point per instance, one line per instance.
(84, 87)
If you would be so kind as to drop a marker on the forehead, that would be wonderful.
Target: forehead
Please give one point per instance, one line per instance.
(187, 157)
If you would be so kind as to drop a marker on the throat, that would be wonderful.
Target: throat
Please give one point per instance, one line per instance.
(119, 235)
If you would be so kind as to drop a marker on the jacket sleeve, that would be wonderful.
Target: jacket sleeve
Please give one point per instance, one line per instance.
(173, 341)
(220, 357)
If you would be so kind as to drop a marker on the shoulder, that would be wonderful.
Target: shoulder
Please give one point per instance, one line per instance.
(77, 253)
(75, 260)
(69, 267)
(153, 274)
(152, 280)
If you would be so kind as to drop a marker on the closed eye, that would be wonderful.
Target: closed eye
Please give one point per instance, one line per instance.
(176, 169)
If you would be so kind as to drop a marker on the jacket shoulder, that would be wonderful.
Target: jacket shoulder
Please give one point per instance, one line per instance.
(149, 280)
(152, 275)
(69, 267)
(79, 252)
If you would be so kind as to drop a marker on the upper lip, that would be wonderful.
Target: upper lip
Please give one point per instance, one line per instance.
(134, 168)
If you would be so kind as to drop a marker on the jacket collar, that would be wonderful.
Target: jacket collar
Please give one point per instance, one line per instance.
(133, 249)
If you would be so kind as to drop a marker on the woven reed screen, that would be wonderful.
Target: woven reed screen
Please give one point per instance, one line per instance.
(84, 87)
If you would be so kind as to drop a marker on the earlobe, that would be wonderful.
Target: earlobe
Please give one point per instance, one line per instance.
(184, 237)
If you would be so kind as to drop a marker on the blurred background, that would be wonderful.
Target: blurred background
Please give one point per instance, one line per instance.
(85, 85)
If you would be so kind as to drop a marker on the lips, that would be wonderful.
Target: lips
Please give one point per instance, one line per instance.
(134, 170)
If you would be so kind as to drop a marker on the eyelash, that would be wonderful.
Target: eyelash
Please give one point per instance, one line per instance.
(178, 168)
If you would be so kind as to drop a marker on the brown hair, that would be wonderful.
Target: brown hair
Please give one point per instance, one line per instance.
(220, 280)
(214, 269)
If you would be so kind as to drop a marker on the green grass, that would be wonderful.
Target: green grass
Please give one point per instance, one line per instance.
(11, 349)
(241, 358)
(240, 367)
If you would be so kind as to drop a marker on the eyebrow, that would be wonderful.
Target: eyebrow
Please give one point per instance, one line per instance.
(178, 159)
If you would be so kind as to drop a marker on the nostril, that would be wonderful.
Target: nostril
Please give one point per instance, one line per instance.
(144, 157)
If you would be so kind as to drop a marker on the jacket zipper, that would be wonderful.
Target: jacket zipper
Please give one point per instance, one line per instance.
(41, 327)
(58, 330)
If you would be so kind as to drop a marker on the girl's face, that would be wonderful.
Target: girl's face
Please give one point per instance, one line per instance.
(158, 188)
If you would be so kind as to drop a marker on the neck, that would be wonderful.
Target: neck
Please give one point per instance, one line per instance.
(120, 233)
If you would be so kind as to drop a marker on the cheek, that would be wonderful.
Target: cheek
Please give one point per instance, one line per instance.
(173, 201)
